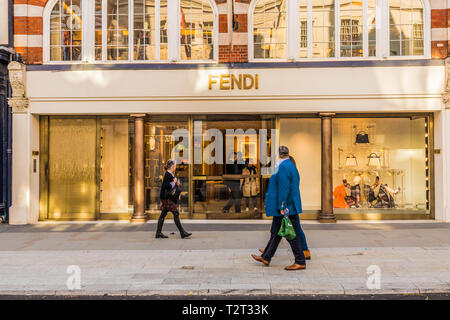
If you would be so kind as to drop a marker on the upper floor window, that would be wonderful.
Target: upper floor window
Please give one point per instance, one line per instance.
(269, 29)
(333, 29)
(130, 30)
(406, 23)
(65, 30)
(196, 30)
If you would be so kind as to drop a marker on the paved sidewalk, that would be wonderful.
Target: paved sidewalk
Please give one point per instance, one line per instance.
(124, 259)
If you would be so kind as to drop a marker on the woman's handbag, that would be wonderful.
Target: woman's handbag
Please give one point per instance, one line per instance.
(287, 229)
(175, 193)
(362, 137)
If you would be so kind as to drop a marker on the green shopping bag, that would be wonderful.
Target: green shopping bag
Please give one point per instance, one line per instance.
(287, 229)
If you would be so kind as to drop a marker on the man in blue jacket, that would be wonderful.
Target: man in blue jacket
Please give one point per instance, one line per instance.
(283, 198)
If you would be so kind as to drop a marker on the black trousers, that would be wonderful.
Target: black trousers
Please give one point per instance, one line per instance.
(254, 199)
(296, 244)
(176, 218)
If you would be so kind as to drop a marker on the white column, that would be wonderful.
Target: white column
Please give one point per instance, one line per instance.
(293, 22)
(33, 154)
(20, 208)
(173, 29)
(441, 178)
(442, 160)
(20, 212)
(442, 174)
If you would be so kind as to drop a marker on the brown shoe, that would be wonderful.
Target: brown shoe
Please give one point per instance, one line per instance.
(307, 254)
(260, 259)
(295, 267)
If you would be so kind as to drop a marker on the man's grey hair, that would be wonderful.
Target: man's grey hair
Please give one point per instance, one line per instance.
(283, 151)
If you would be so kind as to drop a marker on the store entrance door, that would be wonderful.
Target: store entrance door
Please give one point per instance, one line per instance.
(70, 185)
(229, 176)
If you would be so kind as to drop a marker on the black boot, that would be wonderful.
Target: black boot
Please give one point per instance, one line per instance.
(183, 233)
(159, 233)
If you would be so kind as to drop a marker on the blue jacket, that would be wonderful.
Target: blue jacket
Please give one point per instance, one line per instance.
(283, 190)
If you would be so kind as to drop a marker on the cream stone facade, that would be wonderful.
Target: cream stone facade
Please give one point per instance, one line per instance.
(371, 90)
(359, 91)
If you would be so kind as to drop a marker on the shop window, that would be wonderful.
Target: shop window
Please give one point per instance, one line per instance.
(65, 31)
(303, 34)
(304, 28)
(323, 12)
(164, 140)
(129, 30)
(146, 31)
(406, 23)
(351, 18)
(269, 29)
(326, 29)
(196, 30)
(381, 165)
(372, 28)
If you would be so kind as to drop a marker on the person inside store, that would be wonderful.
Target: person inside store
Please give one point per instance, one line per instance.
(283, 199)
(169, 194)
(234, 166)
(250, 184)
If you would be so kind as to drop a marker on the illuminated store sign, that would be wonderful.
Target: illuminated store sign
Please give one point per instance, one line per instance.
(233, 81)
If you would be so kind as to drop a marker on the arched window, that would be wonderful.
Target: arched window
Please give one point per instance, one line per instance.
(196, 30)
(339, 29)
(270, 29)
(130, 30)
(65, 36)
(406, 28)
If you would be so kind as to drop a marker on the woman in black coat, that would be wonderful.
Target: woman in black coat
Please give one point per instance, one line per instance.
(169, 194)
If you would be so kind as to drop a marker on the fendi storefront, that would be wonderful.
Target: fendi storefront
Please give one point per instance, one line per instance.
(362, 138)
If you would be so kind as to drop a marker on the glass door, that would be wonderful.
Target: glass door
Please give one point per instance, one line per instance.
(165, 139)
(229, 163)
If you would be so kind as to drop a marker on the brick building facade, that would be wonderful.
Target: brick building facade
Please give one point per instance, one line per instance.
(233, 47)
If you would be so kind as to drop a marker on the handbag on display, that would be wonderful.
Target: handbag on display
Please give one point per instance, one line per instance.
(374, 160)
(351, 161)
(362, 137)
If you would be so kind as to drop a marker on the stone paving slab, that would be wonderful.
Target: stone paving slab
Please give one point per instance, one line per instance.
(136, 276)
(32, 265)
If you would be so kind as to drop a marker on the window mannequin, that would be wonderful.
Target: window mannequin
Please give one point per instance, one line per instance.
(354, 200)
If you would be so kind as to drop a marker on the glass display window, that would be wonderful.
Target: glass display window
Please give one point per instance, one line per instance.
(381, 164)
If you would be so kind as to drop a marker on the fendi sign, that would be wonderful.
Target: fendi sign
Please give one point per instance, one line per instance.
(229, 81)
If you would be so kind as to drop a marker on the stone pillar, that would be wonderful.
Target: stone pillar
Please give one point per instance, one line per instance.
(138, 173)
(326, 214)
(21, 154)
(442, 160)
